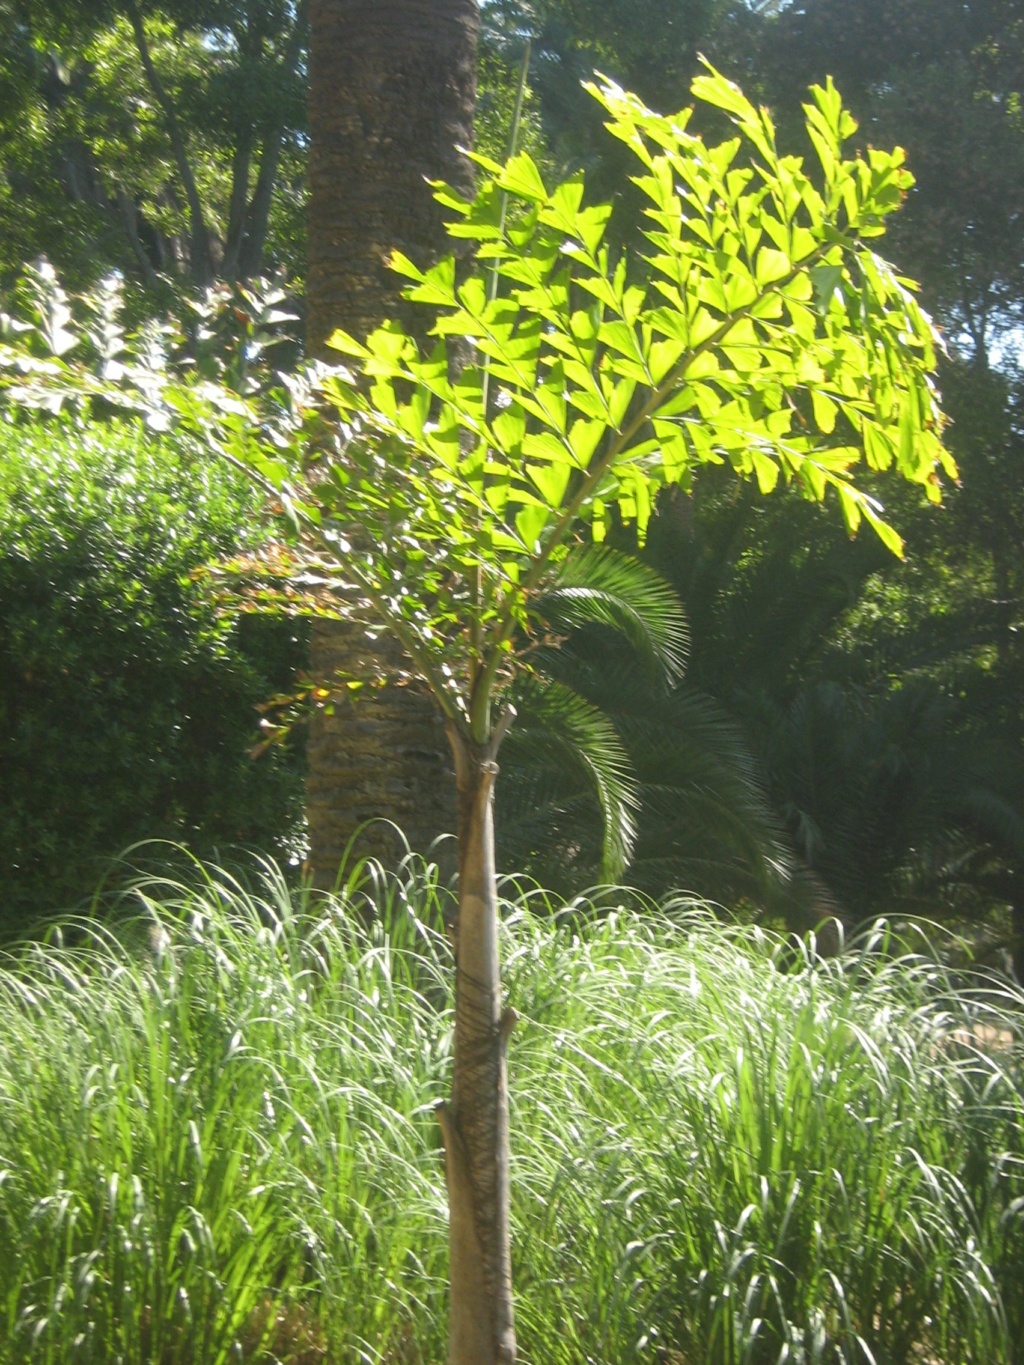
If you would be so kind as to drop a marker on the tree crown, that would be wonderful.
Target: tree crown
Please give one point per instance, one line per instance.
(563, 387)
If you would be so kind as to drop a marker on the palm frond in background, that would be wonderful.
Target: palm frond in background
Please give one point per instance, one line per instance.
(600, 586)
(609, 734)
(575, 791)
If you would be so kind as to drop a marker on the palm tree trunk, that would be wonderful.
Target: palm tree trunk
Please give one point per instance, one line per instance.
(475, 1123)
(392, 91)
(379, 756)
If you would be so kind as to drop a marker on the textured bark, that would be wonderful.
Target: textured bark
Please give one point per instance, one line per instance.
(392, 89)
(475, 1123)
(380, 757)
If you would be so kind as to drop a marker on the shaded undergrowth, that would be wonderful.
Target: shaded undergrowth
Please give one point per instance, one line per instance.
(217, 1138)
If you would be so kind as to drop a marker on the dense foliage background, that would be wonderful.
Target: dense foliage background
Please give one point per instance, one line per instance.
(866, 713)
(127, 704)
(217, 1132)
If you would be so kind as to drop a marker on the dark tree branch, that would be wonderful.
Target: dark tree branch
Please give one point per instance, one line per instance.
(202, 269)
(257, 218)
(130, 219)
(237, 207)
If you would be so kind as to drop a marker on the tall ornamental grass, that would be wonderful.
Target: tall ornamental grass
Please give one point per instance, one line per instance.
(217, 1139)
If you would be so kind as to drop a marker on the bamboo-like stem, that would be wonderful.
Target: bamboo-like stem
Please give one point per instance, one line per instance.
(474, 1124)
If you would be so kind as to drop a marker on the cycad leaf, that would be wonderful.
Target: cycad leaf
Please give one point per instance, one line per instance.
(602, 585)
(707, 825)
(999, 820)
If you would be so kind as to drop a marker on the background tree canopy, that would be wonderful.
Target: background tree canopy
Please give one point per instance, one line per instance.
(164, 140)
(876, 703)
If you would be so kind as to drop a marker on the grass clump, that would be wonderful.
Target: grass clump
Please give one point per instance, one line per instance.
(217, 1139)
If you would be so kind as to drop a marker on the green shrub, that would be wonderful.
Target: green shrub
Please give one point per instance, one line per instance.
(218, 1125)
(126, 704)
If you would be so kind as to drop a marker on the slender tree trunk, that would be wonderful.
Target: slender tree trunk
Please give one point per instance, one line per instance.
(392, 91)
(201, 263)
(130, 219)
(257, 218)
(475, 1124)
(237, 205)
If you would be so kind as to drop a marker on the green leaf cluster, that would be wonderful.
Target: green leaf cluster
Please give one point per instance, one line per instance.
(92, 175)
(566, 384)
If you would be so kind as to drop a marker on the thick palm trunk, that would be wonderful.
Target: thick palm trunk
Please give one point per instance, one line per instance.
(380, 756)
(392, 90)
(475, 1123)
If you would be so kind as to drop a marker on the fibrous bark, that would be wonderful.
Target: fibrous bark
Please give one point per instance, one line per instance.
(392, 90)
(380, 756)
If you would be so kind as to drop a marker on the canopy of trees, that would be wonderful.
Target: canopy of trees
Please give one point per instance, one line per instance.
(876, 702)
